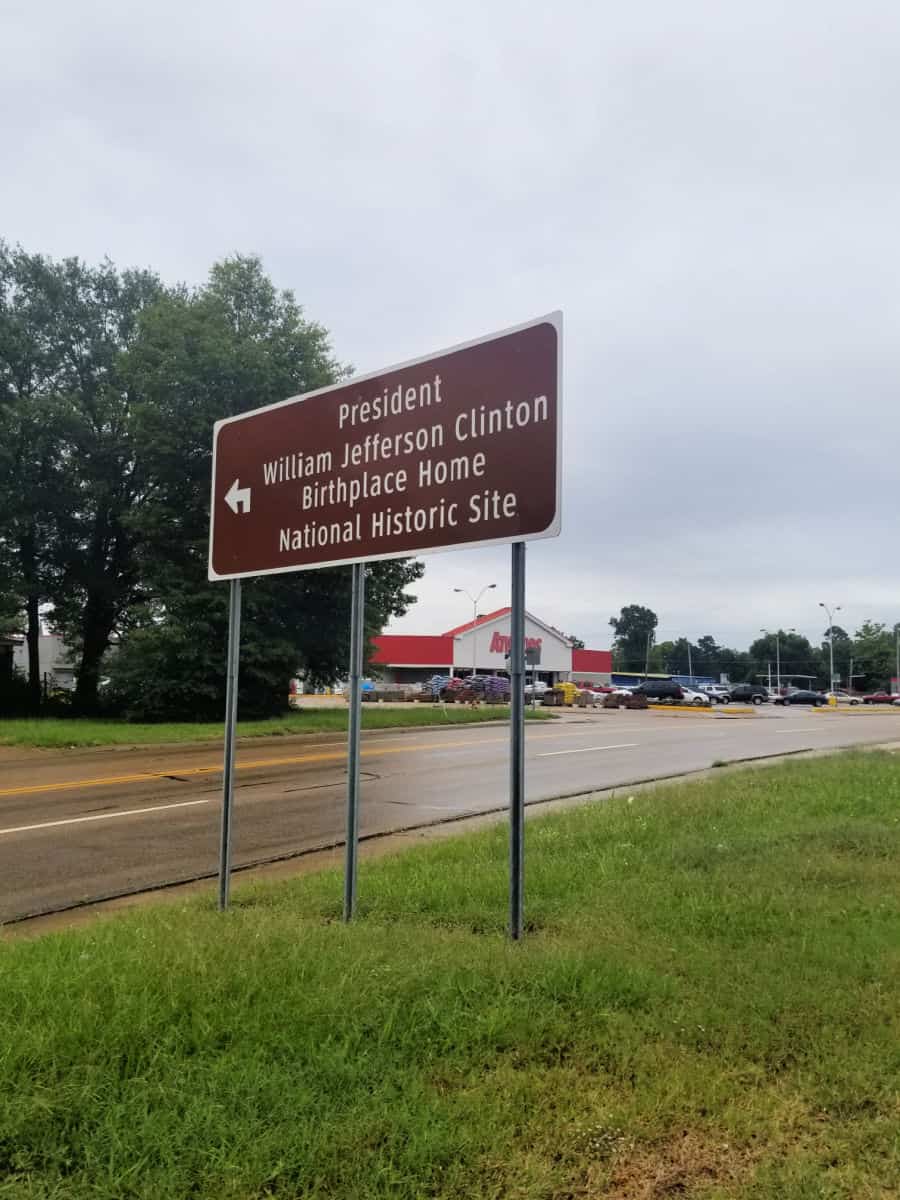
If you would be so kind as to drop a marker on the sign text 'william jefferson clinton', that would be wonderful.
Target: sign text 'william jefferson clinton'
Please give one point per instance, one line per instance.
(458, 449)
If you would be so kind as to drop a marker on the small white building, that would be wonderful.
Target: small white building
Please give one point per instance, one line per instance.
(54, 659)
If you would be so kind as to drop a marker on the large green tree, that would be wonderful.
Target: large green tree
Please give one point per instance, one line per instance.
(109, 387)
(874, 648)
(26, 453)
(798, 658)
(634, 628)
(64, 461)
(232, 345)
(98, 578)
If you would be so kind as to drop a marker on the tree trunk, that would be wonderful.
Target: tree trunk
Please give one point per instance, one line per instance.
(32, 640)
(97, 627)
(29, 571)
(96, 639)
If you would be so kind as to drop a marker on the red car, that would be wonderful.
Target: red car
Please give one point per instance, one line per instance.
(880, 698)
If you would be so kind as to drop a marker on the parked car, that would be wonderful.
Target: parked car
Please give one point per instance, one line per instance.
(537, 688)
(749, 693)
(659, 691)
(667, 691)
(717, 691)
(880, 698)
(804, 696)
(842, 697)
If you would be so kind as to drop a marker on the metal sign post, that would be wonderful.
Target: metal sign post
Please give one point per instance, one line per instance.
(231, 695)
(458, 448)
(517, 743)
(357, 638)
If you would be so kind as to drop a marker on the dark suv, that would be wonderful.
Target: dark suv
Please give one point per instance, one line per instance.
(659, 691)
(749, 693)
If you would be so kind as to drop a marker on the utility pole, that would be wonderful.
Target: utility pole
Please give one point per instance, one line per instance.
(830, 613)
(777, 656)
(647, 655)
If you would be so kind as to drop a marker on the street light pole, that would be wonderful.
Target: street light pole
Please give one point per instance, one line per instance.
(487, 587)
(777, 656)
(830, 613)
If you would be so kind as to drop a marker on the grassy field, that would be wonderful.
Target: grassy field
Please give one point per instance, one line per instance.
(706, 1006)
(68, 732)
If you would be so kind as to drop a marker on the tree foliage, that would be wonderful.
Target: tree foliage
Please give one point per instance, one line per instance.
(633, 629)
(875, 653)
(109, 387)
(67, 466)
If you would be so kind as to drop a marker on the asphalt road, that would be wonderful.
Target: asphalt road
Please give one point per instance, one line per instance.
(79, 826)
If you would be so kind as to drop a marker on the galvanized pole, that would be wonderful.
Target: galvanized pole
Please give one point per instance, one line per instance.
(231, 695)
(517, 744)
(357, 637)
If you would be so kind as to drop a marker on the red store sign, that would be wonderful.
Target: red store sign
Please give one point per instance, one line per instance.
(501, 643)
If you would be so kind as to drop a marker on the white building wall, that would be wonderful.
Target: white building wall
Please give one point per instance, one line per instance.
(490, 652)
(54, 659)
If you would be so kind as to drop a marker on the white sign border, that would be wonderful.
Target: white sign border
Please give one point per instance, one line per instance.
(554, 318)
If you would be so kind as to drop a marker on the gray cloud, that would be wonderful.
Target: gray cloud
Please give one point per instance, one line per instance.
(709, 192)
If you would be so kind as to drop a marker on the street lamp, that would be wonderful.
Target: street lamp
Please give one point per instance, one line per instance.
(830, 613)
(487, 587)
(777, 655)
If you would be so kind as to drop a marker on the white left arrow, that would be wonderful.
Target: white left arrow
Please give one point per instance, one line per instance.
(238, 498)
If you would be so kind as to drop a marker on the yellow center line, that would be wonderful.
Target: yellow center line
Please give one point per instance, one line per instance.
(293, 760)
(336, 755)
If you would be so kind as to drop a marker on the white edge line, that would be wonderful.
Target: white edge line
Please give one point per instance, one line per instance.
(586, 750)
(132, 812)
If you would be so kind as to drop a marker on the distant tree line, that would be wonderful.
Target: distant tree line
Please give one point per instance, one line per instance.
(870, 654)
(110, 382)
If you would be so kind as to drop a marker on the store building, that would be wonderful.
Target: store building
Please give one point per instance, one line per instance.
(483, 646)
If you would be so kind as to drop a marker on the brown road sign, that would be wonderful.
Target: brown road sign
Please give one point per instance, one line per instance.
(458, 449)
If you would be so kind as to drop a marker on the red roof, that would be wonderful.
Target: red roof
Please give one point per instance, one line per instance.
(501, 612)
(397, 650)
(591, 660)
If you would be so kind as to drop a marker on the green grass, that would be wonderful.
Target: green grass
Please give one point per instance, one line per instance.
(69, 732)
(706, 1006)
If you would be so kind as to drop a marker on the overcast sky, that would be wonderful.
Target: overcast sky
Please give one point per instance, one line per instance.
(708, 190)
